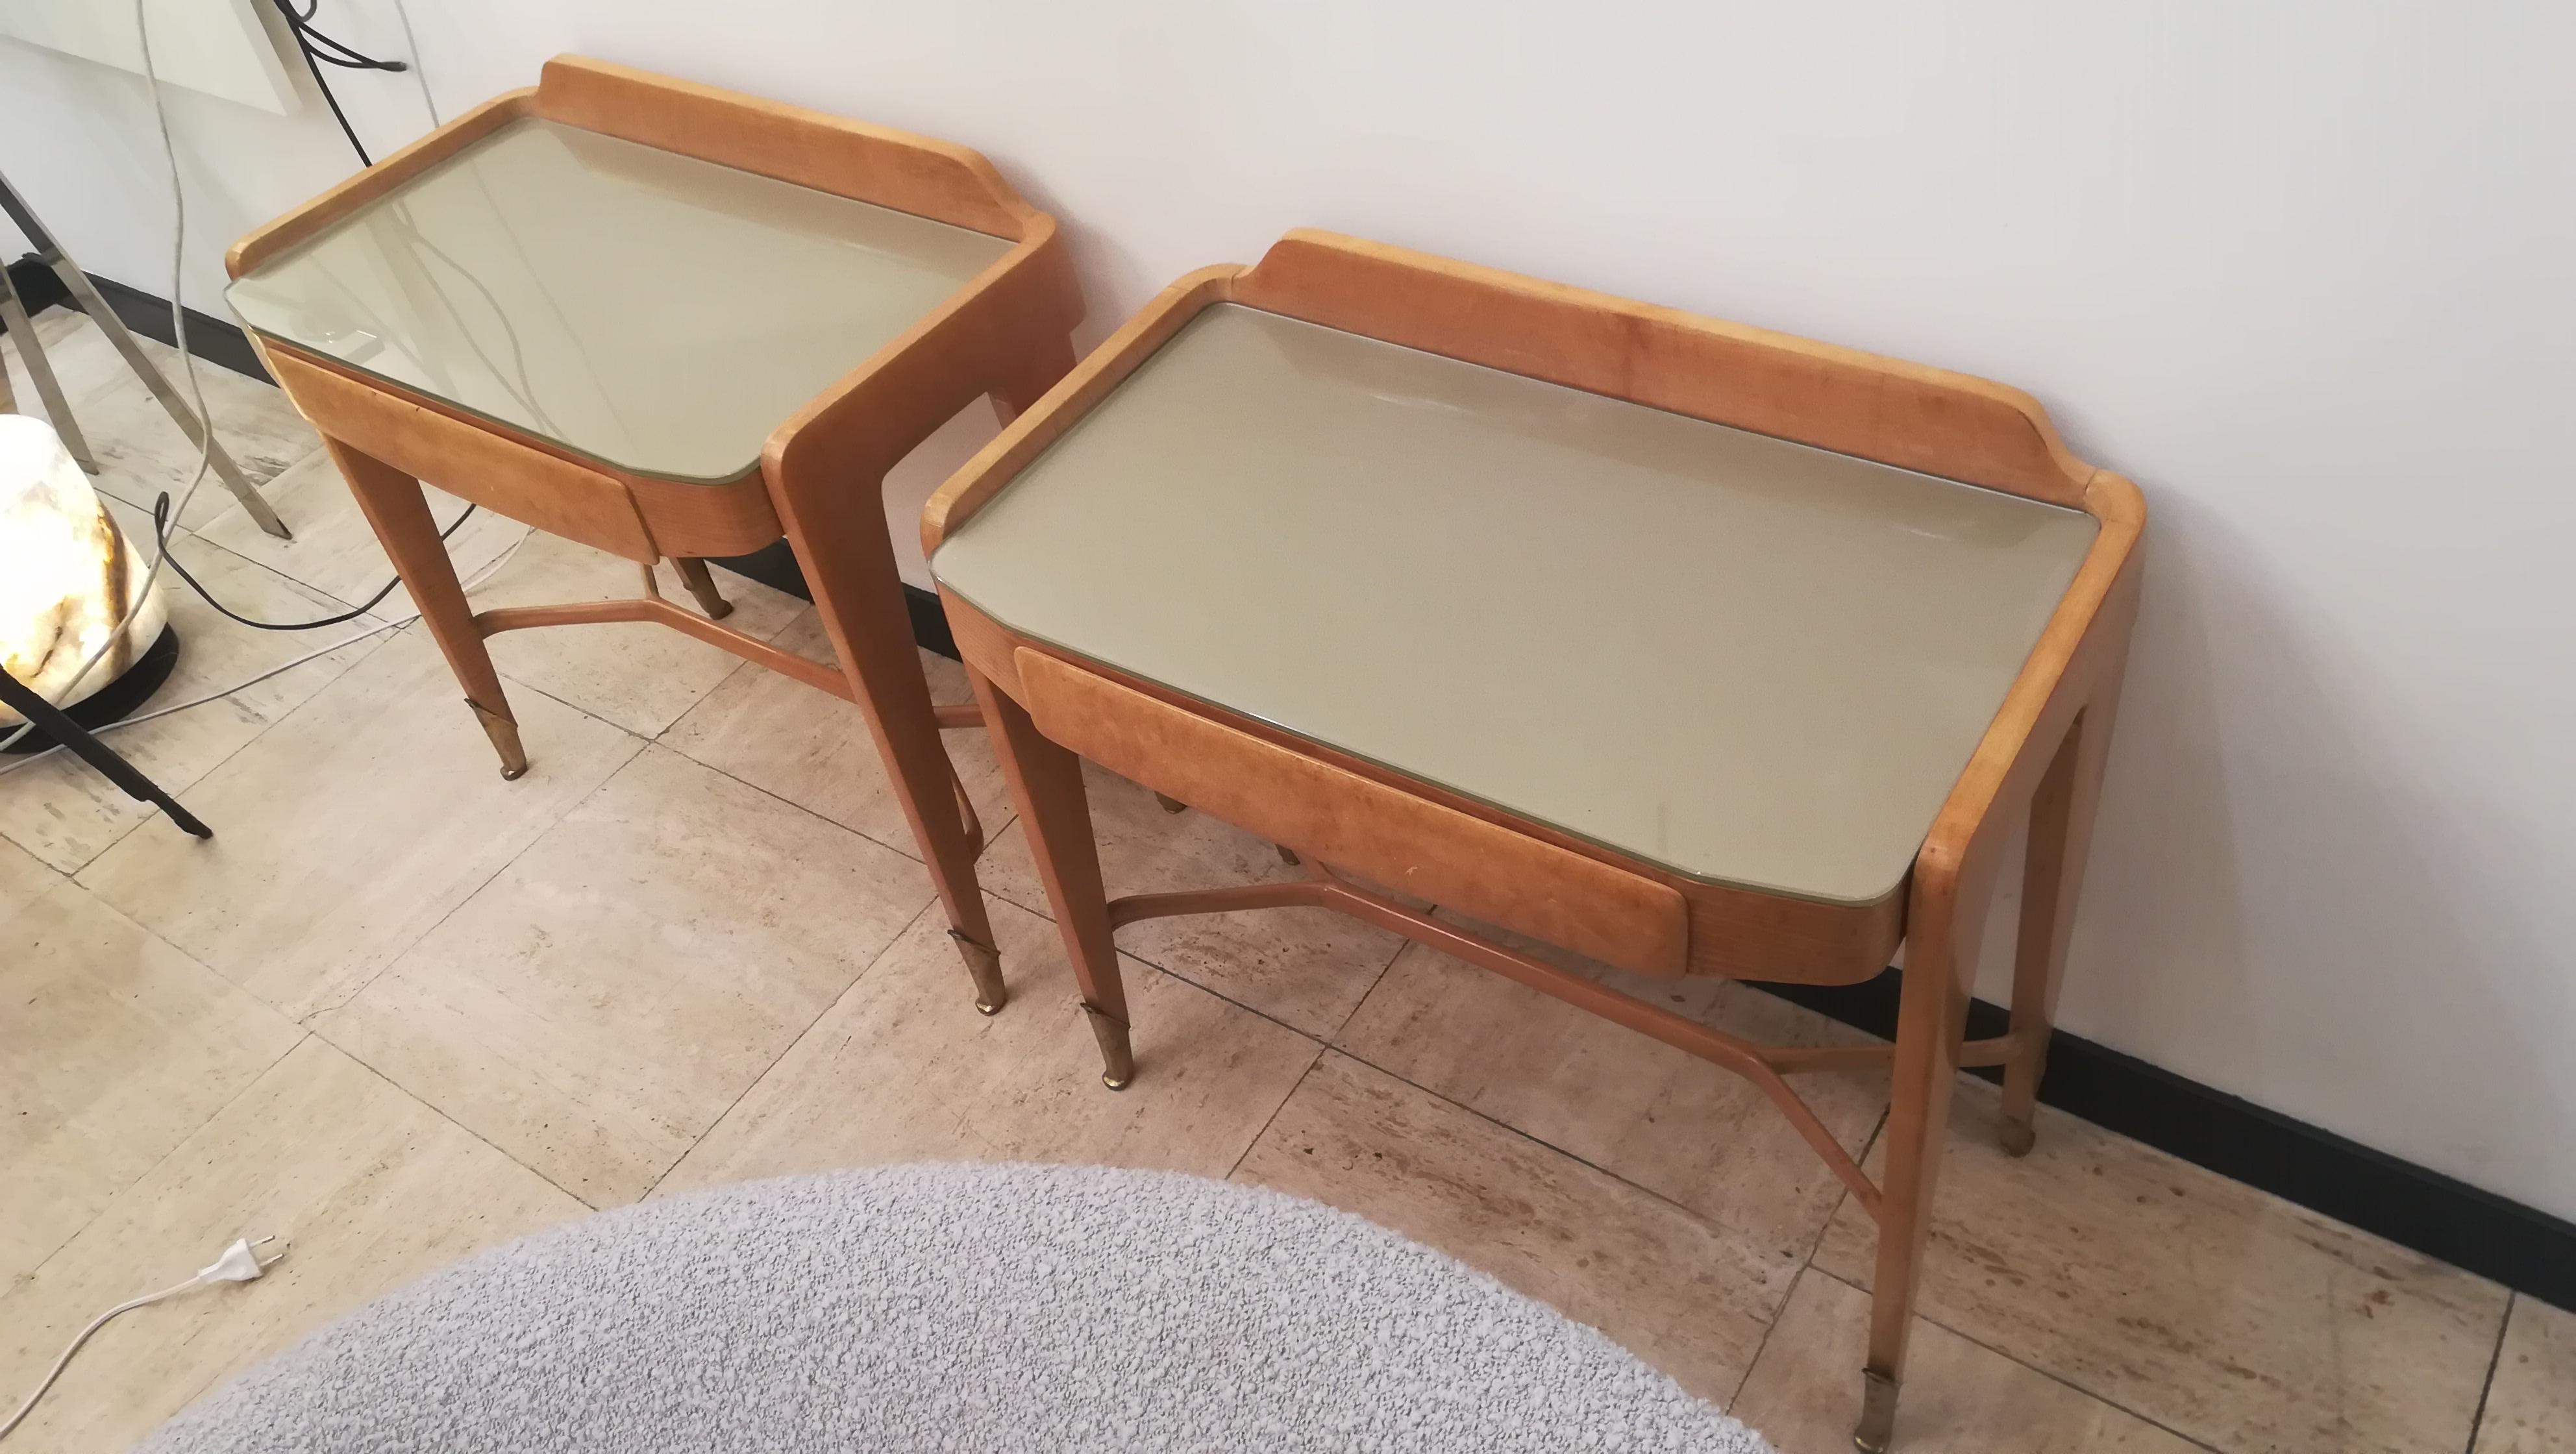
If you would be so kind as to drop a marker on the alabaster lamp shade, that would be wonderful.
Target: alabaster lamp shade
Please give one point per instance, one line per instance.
(67, 575)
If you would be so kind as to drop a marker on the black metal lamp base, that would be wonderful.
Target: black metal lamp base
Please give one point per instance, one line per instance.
(117, 700)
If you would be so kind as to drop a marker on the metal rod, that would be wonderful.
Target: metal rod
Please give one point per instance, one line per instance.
(55, 723)
(86, 294)
(40, 371)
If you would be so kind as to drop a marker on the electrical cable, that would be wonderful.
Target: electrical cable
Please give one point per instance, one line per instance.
(525, 393)
(161, 530)
(304, 47)
(239, 1262)
(163, 512)
(335, 52)
(419, 73)
(187, 367)
(480, 578)
(320, 50)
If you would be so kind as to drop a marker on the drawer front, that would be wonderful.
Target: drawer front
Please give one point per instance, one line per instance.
(1338, 817)
(472, 463)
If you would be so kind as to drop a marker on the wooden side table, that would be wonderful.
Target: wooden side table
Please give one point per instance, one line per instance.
(1690, 647)
(667, 320)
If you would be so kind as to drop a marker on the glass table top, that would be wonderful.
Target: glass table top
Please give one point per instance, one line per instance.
(1753, 662)
(655, 312)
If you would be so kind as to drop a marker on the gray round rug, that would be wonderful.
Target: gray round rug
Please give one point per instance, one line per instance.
(956, 1308)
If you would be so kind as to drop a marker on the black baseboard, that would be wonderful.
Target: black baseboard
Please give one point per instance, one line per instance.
(218, 341)
(775, 566)
(37, 286)
(2521, 1247)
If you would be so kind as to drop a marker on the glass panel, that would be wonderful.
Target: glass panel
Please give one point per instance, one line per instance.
(1748, 660)
(653, 311)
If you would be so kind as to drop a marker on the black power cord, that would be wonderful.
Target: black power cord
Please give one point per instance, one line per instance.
(161, 530)
(320, 50)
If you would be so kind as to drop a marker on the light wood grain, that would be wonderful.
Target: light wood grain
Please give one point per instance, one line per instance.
(1796, 388)
(550, 493)
(1002, 335)
(1733, 932)
(2034, 763)
(369, 183)
(898, 169)
(1412, 845)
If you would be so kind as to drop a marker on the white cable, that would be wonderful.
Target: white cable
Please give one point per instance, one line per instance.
(418, 72)
(187, 366)
(481, 576)
(239, 1262)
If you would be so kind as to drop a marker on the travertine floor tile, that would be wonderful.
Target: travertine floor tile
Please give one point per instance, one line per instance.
(813, 749)
(2211, 1308)
(1308, 967)
(2531, 1409)
(903, 1069)
(335, 550)
(366, 1186)
(1666, 1120)
(114, 1047)
(1690, 1298)
(1804, 1395)
(82, 359)
(594, 1008)
(349, 828)
(141, 452)
(67, 814)
(636, 674)
(23, 879)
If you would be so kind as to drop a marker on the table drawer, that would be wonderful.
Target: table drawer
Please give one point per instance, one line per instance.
(470, 462)
(1367, 827)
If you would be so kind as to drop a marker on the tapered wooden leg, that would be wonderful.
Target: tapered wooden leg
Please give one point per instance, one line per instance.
(848, 562)
(694, 575)
(1046, 782)
(2061, 836)
(1931, 1021)
(393, 504)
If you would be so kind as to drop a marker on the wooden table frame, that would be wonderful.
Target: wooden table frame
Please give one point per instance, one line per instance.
(1005, 334)
(2040, 761)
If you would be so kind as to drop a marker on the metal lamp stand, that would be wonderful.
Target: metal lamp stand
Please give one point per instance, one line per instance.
(13, 314)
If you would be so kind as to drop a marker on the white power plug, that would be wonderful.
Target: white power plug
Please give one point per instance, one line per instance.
(240, 1262)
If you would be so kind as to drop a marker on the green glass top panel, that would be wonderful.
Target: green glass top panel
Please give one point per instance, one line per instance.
(1751, 661)
(656, 312)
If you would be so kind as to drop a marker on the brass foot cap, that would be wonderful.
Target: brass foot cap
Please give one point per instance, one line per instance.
(513, 774)
(1117, 1082)
(2017, 1138)
(989, 1007)
(1877, 1428)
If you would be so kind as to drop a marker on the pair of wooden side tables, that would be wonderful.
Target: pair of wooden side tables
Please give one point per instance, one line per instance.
(1692, 648)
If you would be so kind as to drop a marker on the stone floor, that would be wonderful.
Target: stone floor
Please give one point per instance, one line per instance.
(398, 1010)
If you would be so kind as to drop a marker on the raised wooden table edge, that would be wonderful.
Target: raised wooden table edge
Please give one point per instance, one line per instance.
(2040, 760)
(1004, 334)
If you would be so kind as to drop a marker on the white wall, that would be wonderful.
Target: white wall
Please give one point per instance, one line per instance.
(2302, 270)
